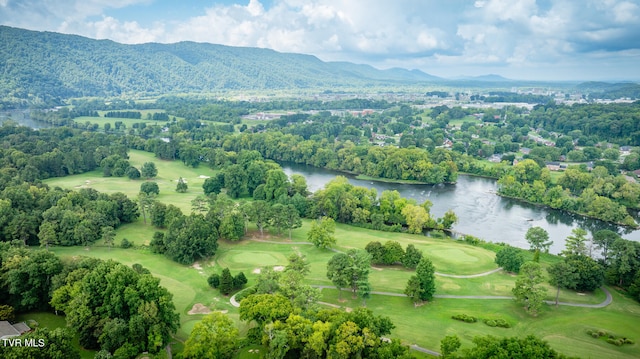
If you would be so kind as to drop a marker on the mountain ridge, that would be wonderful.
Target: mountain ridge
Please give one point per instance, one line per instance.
(49, 64)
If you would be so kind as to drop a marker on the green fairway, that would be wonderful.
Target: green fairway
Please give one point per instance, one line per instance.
(168, 174)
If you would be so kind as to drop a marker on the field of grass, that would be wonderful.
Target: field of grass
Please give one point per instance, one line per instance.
(564, 327)
(167, 179)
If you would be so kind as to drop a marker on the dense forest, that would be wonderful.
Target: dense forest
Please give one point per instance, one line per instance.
(45, 68)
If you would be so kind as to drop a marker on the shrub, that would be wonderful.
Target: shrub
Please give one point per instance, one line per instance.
(465, 318)
(501, 323)
(125, 243)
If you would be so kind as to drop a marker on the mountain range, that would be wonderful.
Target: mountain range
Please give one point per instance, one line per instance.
(47, 64)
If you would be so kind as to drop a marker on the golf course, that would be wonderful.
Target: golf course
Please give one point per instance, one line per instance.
(462, 270)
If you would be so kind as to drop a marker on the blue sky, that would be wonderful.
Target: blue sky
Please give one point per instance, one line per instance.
(519, 39)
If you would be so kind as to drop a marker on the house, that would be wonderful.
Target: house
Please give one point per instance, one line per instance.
(553, 166)
(8, 330)
(525, 150)
(625, 150)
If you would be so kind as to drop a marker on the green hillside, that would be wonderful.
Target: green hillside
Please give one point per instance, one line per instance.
(46, 65)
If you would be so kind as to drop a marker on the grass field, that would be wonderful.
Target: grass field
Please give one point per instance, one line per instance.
(564, 327)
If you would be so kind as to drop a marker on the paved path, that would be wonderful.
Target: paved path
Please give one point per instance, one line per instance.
(469, 275)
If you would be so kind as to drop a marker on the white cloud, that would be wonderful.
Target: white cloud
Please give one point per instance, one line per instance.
(428, 34)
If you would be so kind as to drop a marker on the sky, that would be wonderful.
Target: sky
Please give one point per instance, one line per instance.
(518, 39)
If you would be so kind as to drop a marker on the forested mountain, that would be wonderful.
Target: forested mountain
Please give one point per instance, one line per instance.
(50, 65)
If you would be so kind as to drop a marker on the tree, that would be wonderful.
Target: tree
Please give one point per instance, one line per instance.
(576, 243)
(449, 345)
(414, 290)
(291, 218)
(214, 337)
(259, 212)
(56, 343)
(321, 233)
(527, 289)
(297, 263)
(337, 271)
(590, 273)
(512, 347)
(265, 308)
(150, 188)
(239, 281)
(226, 282)
(510, 259)
(603, 240)
(235, 180)
(416, 216)
(562, 275)
(108, 234)
(624, 262)
(133, 173)
(538, 239)
(181, 187)
(393, 253)
(425, 271)
(149, 170)
(190, 238)
(145, 201)
(47, 234)
(213, 184)
(364, 290)
(214, 280)
(376, 250)
(412, 257)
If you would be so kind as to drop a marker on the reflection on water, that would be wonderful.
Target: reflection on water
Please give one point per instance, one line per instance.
(21, 117)
(481, 212)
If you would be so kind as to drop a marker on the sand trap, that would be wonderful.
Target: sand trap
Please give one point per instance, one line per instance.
(348, 309)
(203, 176)
(183, 180)
(256, 271)
(197, 266)
(376, 268)
(278, 268)
(199, 308)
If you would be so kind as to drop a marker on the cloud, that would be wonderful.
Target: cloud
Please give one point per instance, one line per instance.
(428, 34)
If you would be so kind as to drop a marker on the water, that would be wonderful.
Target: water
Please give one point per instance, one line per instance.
(481, 212)
(21, 117)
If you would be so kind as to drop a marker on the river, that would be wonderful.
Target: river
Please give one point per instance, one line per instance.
(481, 212)
(22, 117)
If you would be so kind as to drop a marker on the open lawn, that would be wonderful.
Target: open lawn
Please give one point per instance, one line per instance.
(168, 174)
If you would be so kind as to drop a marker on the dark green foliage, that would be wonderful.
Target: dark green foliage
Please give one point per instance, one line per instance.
(226, 282)
(514, 347)
(425, 272)
(239, 281)
(157, 243)
(190, 238)
(510, 259)
(149, 170)
(150, 188)
(214, 280)
(609, 337)
(412, 257)
(376, 250)
(213, 184)
(393, 253)
(590, 273)
(27, 277)
(116, 308)
(133, 173)
(125, 243)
